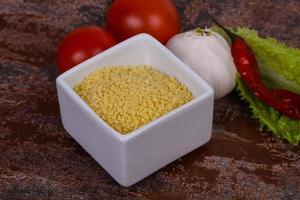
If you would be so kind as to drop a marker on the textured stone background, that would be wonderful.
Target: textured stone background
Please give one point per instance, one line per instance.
(39, 160)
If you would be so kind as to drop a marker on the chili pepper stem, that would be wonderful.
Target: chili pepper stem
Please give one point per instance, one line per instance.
(231, 35)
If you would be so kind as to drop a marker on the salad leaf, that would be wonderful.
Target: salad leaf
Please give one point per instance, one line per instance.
(279, 66)
(269, 118)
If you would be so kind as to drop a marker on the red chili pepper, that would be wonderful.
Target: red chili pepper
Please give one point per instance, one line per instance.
(287, 96)
(282, 100)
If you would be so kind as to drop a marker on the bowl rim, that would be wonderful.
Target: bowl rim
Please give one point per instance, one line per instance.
(60, 80)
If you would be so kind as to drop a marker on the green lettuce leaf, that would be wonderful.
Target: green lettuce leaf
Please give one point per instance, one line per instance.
(279, 65)
(280, 68)
(269, 118)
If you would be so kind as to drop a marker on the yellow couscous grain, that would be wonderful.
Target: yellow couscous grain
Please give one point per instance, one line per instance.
(128, 97)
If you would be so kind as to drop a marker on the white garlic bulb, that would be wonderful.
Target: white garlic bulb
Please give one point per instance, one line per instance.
(209, 55)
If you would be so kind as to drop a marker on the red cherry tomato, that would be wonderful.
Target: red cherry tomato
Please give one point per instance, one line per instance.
(159, 18)
(82, 44)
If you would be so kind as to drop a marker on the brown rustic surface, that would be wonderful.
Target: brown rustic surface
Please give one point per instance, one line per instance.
(39, 160)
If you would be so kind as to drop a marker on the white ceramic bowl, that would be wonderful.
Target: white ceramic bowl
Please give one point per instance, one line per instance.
(132, 157)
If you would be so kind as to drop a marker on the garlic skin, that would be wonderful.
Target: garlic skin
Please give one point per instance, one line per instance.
(209, 55)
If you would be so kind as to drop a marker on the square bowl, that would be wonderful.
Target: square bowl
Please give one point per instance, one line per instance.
(132, 157)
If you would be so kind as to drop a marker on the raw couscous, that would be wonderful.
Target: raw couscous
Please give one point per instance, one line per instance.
(128, 97)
